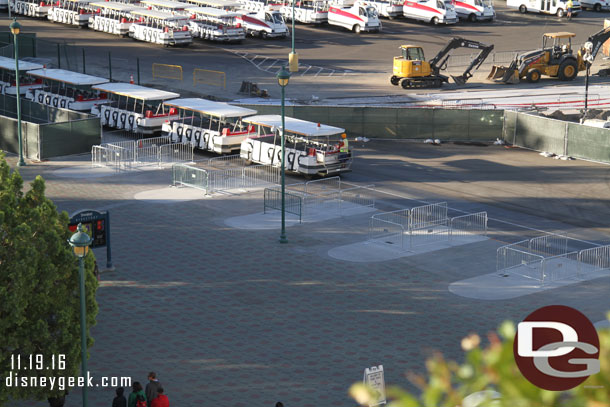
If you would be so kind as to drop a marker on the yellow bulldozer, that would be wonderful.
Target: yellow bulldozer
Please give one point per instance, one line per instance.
(411, 70)
(555, 59)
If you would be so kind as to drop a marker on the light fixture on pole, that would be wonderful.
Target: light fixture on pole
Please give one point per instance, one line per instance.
(80, 243)
(15, 30)
(293, 57)
(283, 76)
(588, 58)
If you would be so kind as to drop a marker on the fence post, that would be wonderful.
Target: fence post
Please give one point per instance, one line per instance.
(84, 69)
(110, 66)
(138, 68)
(58, 57)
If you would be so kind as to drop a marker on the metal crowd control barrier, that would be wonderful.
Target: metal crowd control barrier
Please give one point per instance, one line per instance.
(166, 71)
(293, 203)
(217, 180)
(550, 258)
(422, 225)
(187, 175)
(208, 77)
(123, 155)
(224, 161)
(468, 225)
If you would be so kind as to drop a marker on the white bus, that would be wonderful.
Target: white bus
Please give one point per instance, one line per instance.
(71, 12)
(557, 7)
(31, 8)
(7, 77)
(311, 148)
(214, 24)
(112, 17)
(306, 11)
(67, 89)
(135, 108)
(160, 27)
(208, 125)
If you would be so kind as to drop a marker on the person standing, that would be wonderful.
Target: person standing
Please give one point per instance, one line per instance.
(161, 400)
(569, 6)
(119, 400)
(152, 387)
(137, 393)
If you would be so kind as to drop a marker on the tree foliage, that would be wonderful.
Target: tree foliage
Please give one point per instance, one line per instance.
(493, 370)
(39, 287)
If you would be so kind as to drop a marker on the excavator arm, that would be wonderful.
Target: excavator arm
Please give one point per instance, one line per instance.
(440, 60)
(598, 40)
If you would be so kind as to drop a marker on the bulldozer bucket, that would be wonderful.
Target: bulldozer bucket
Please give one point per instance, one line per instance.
(497, 71)
(511, 76)
(460, 80)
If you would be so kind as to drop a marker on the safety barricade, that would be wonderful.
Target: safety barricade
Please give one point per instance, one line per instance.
(469, 225)
(190, 176)
(550, 258)
(208, 77)
(166, 71)
(293, 203)
(227, 161)
(175, 153)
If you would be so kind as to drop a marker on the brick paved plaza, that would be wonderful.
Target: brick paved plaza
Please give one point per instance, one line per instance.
(230, 317)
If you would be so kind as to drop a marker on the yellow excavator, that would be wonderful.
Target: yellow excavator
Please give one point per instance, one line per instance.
(556, 59)
(411, 70)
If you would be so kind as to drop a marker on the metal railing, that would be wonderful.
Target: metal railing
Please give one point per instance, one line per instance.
(432, 213)
(428, 232)
(175, 153)
(293, 203)
(129, 154)
(190, 176)
(550, 258)
(225, 161)
(594, 259)
(357, 195)
(469, 225)
(516, 258)
(386, 231)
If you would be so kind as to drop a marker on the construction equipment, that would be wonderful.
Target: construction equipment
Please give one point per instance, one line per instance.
(556, 59)
(412, 71)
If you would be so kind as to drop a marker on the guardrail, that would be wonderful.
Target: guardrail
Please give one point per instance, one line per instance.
(167, 71)
(208, 77)
(293, 203)
(124, 155)
(187, 175)
(550, 258)
(468, 225)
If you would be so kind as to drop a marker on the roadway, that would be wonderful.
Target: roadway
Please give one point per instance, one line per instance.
(342, 63)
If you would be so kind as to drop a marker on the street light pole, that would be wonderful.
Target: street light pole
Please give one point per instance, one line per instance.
(283, 77)
(15, 29)
(80, 242)
(293, 57)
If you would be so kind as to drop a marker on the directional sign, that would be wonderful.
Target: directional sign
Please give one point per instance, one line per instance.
(373, 377)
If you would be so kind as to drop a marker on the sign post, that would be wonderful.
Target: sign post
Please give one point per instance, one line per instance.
(373, 378)
(96, 225)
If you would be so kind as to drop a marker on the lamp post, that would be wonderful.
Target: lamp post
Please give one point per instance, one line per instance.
(15, 29)
(283, 76)
(80, 242)
(588, 58)
(293, 57)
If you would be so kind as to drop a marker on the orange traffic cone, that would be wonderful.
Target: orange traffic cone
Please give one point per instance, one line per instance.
(131, 79)
(140, 144)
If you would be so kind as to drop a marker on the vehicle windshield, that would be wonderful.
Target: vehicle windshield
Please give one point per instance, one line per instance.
(274, 18)
(371, 12)
(413, 54)
(479, 3)
(440, 5)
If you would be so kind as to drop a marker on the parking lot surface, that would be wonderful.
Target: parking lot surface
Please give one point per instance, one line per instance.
(231, 317)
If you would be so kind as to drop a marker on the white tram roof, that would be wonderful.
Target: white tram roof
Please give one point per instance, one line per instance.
(211, 11)
(136, 91)
(162, 15)
(62, 75)
(115, 5)
(217, 3)
(80, 1)
(293, 125)
(218, 109)
(173, 5)
(9, 64)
